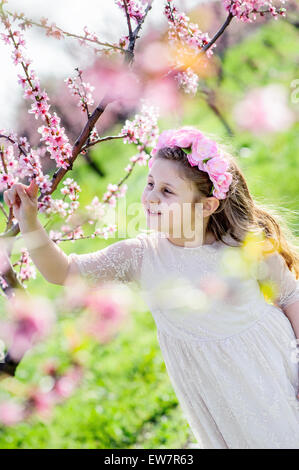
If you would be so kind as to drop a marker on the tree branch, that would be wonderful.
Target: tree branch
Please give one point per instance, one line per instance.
(103, 139)
(59, 174)
(219, 33)
(128, 19)
(129, 53)
(76, 36)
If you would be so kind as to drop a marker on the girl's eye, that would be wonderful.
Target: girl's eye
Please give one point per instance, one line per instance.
(167, 190)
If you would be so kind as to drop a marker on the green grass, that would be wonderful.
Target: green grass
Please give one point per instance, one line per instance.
(126, 399)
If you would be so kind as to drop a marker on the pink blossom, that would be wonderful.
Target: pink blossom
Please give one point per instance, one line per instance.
(11, 413)
(135, 8)
(5, 38)
(221, 185)
(272, 114)
(61, 151)
(216, 166)
(105, 316)
(188, 80)
(202, 149)
(247, 10)
(17, 57)
(184, 137)
(183, 34)
(30, 320)
(42, 402)
(163, 141)
(143, 129)
(64, 387)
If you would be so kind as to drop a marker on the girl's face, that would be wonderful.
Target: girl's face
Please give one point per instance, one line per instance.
(168, 200)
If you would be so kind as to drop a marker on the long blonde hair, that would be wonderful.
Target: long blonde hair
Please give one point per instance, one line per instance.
(238, 214)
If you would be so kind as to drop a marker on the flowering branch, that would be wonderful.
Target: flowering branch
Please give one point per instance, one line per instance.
(128, 19)
(102, 139)
(219, 33)
(58, 33)
(60, 173)
(129, 53)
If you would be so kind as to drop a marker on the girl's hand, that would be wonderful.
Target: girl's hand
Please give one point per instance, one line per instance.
(23, 200)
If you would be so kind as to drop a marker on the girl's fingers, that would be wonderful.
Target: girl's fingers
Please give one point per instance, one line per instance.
(6, 199)
(21, 192)
(10, 195)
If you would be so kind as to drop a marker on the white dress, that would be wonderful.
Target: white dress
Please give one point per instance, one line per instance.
(229, 353)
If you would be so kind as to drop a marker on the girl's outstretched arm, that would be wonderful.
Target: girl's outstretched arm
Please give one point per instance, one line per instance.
(49, 259)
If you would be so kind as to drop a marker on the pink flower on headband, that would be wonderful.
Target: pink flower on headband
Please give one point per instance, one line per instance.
(202, 149)
(164, 140)
(201, 152)
(221, 184)
(216, 166)
(183, 137)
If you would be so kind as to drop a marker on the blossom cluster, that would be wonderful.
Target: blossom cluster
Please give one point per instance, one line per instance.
(188, 40)
(81, 89)
(201, 152)
(247, 10)
(181, 29)
(135, 8)
(113, 193)
(54, 136)
(27, 165)
(143, 131)
(29, 320)
(188, 80)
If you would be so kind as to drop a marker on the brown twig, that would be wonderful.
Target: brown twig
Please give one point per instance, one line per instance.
(129, 53)
(2, 136)
(128, 19)
(218, 34)
(103, 139)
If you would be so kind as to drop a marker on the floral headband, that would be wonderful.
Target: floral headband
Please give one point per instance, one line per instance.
(202, 152)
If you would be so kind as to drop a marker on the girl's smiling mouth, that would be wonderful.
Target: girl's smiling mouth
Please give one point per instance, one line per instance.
(153, 213)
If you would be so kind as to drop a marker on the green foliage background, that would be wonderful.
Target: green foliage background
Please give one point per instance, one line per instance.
(127, 400)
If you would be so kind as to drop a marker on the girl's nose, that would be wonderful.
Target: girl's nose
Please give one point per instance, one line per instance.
(153, 198)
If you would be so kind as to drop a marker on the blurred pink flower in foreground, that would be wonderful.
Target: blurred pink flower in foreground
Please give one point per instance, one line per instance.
(11, 413)
(42, 402)
(29, 321)
(67, 383)
(107, 311)
(265, 110)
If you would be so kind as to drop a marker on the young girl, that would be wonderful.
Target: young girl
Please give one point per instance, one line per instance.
(228, 351)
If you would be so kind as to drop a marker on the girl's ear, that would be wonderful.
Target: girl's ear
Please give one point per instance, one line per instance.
(210, 204)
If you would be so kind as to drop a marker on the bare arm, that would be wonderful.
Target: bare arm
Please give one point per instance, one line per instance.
(49, 259)
(120, 261)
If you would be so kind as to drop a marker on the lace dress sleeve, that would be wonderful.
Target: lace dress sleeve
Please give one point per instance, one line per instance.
(121, 261)
(286, 286)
